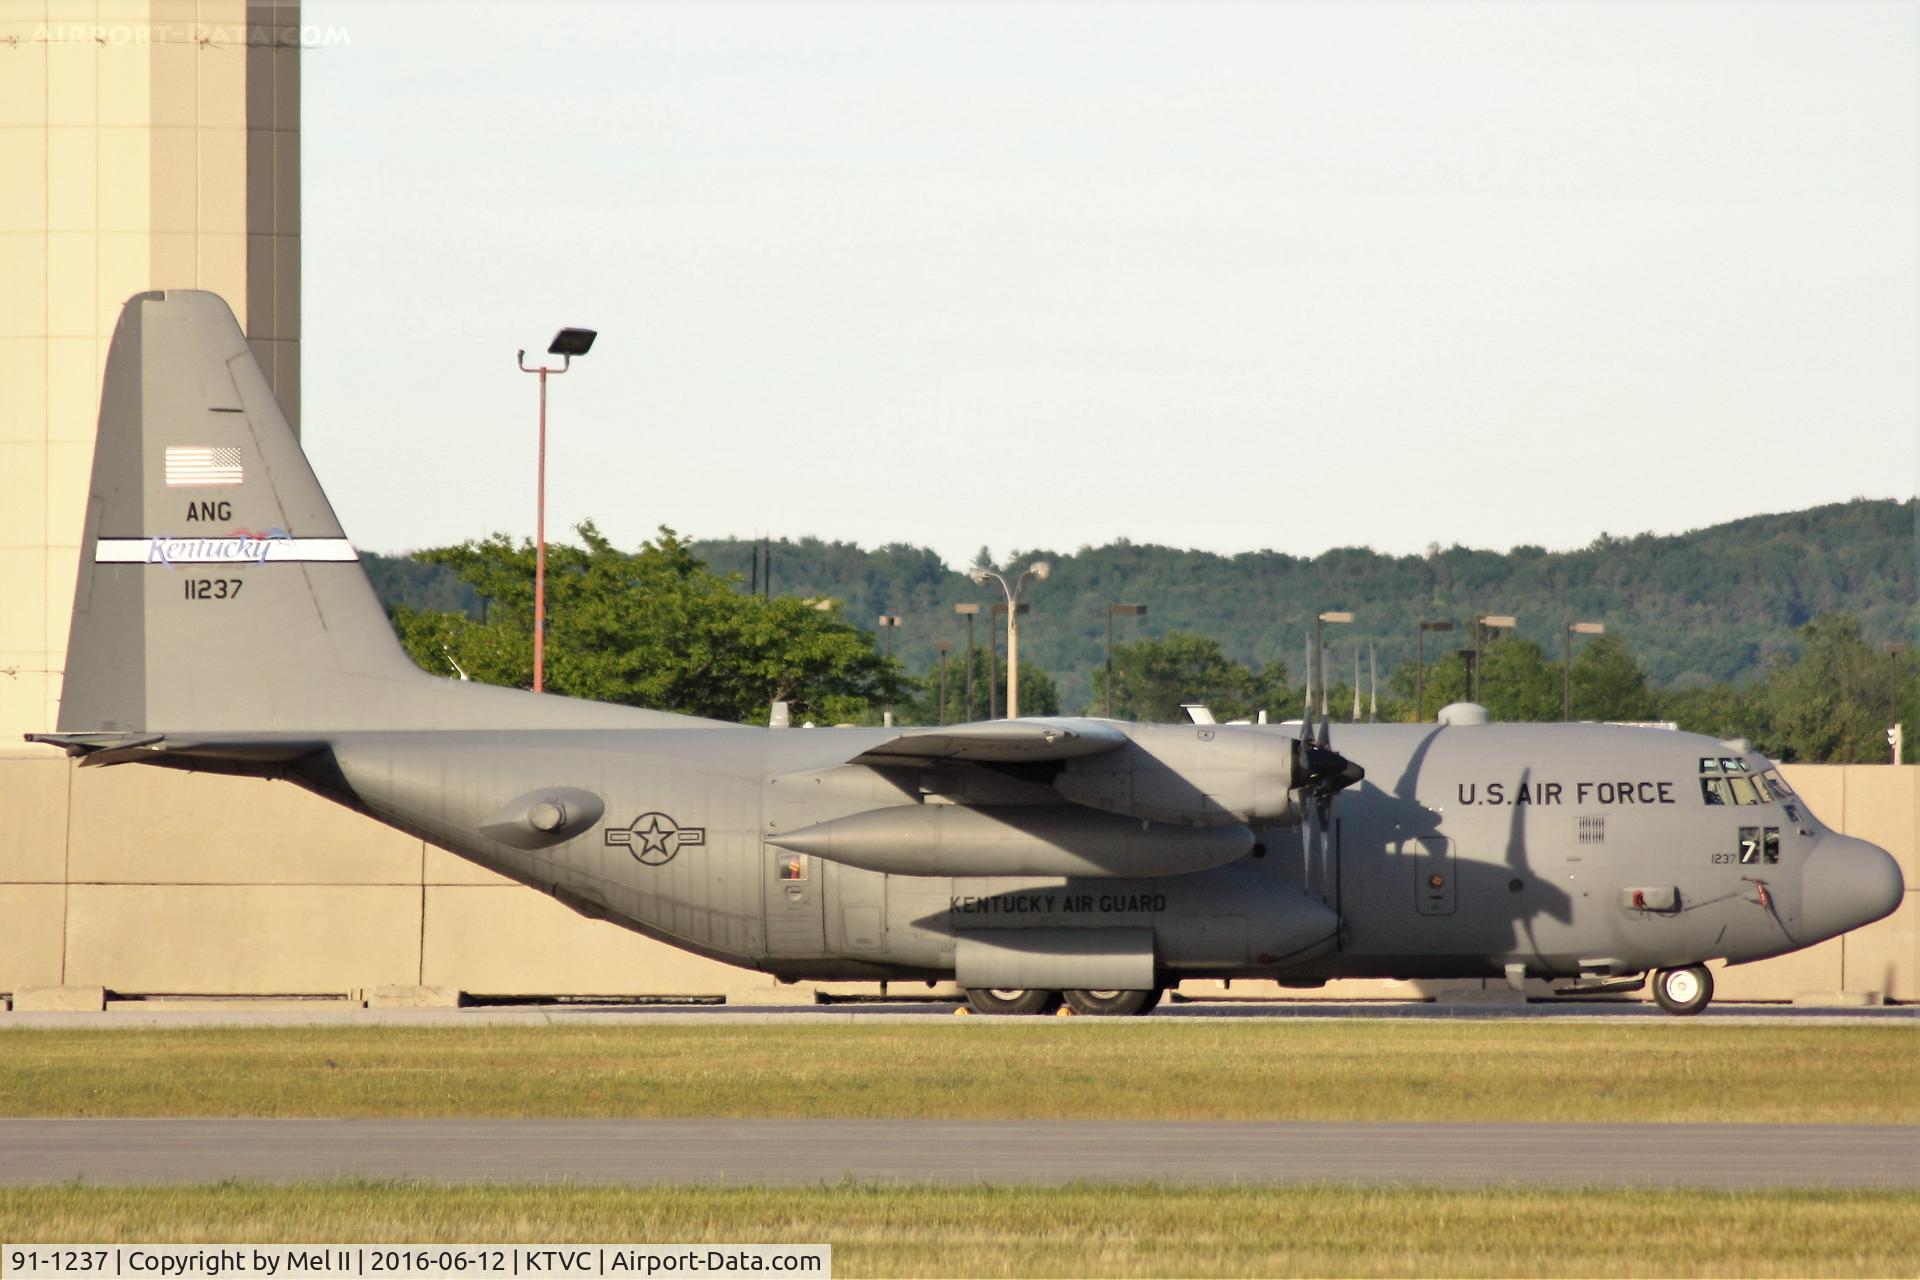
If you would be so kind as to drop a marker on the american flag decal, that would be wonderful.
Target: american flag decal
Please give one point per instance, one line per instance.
(192, 465)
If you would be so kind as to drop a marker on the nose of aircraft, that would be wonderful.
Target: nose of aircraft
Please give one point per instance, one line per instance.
(1848, 883)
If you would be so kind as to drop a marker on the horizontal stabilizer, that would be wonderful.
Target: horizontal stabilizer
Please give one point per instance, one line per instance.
(999, 742)
(212, 753)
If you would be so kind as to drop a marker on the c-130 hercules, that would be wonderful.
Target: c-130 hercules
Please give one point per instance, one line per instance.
(222, 623)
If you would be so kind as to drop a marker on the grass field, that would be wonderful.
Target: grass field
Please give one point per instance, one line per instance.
(1079, 1230)
(1071, 1069)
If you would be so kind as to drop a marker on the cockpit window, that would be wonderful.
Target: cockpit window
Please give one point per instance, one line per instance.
(1725, 780)
(1780, 787)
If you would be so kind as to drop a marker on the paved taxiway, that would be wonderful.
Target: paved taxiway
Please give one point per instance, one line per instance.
(810, 1151)
(332, 1013)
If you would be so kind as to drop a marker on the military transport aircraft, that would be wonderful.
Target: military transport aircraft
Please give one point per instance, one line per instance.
(222, 623)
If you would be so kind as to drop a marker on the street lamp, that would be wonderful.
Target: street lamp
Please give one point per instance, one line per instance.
(1039, 569)
(970, 612)
(1895, 734)
(887, 622)
(566, 344)
(943, 648)
(1566, 661)
(1420, 667)
(1320, 653)
(1120, 611)
(1482, 625)
(993, 656)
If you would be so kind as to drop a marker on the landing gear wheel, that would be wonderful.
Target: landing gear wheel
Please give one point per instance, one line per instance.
(1012, 1000)
(1683, 991)
(1113, 1004)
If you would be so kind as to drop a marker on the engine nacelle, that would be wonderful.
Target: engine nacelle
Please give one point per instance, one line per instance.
(1210, 774)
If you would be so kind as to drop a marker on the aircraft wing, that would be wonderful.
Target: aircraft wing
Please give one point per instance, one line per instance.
(998, 742)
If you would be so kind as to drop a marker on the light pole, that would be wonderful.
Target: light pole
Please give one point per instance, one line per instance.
(1420, 667)
(1481, 625)
(1566, 661)
(1320, 652)
(1895, 734)
(566, 344)
(1039, 569)
(970, 612)
(943, 648)
(1121, 611)
(887, 622)
(993, 656)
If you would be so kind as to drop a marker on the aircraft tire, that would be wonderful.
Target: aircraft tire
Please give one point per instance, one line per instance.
(1012, 1000)
(1113, 1004)
(1683, 992)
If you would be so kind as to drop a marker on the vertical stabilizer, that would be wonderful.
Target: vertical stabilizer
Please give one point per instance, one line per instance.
(216, 589)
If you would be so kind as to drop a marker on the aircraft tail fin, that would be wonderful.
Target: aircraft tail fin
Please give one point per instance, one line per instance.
(216, 589)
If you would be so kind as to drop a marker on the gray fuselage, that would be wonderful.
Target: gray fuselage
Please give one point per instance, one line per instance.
(1564, 849)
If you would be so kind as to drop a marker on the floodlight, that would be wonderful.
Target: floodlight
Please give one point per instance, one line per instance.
(571, 342)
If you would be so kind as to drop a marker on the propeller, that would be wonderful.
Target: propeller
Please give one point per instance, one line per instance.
(1321, 772)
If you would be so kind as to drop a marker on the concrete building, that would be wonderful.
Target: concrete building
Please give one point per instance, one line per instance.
(143, 145)
(155, 144)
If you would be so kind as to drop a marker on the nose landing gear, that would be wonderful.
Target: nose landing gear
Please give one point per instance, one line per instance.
(1683, 991)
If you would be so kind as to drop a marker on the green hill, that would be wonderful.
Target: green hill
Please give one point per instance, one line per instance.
(1697, 608)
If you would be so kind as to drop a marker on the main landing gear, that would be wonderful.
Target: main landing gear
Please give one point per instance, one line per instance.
(1108, 1004)
(1012, 1000)
(1683, 991)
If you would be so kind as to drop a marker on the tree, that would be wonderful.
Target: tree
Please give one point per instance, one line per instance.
(1039, 695)
(1153, 678)
(1717, 710)
(1832, 705)
(653, 629)
(1444, 682)
(1517, 682)
(1608, 684)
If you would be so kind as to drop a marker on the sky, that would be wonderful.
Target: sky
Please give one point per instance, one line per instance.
(1281, 276)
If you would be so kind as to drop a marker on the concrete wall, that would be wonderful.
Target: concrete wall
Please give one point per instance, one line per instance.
(144, 144)
(149, 881)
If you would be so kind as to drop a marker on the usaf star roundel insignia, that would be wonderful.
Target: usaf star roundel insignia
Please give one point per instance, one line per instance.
(654, 838)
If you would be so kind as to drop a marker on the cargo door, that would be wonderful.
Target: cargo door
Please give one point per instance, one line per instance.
(796, 923)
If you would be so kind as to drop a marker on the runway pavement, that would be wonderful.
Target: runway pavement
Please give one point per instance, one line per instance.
(334, 1013)
(811, 1151)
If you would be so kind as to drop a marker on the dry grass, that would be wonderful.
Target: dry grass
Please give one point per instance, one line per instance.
(963, 1068)
(1130, 1230)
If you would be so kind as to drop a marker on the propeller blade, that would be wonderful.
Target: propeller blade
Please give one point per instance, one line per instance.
(1356, 684)
(1373, 685)
(1306, 714)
